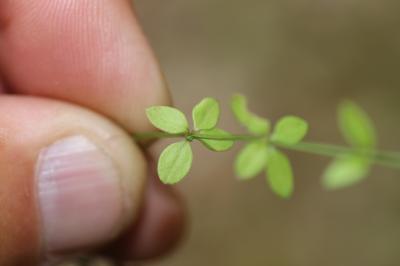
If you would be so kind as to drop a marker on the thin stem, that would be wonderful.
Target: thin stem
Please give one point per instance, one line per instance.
(230, 137)
(155, 135)
(389, 159)
(164, 135)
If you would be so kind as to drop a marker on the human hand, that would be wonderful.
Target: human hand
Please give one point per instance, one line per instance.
(71, 178)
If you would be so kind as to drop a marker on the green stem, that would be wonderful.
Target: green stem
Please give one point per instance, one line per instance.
(163, 135)
(389, 159)
(155, 135)
(231, 137)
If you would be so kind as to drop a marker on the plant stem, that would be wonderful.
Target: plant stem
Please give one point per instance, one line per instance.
(164, 135)
(155, 135)
(231, 137)
(389, 159)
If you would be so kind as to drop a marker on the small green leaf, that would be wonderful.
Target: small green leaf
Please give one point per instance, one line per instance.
(290, 130)
(251, 160)
(206, 114)
(239, 108)
(254, 123)
(257, 125)
(175, 162)
(356, 127)
(345, 171)
(167, 119)
(280, 174)
(216, 145)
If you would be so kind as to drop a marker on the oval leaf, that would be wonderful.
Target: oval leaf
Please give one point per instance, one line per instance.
(355, 125)
(257, 125)
(206, 114)
(167, 119)
(239, 108)
(290, 130)
(345, 171)
(280, 174)
(216, 145)
(251, 160)
(254, 123)
(175, 162)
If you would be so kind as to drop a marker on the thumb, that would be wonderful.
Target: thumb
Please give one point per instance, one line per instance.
(70, 180)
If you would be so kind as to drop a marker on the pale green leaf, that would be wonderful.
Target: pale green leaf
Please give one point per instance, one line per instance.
(345, 171)
(251, 160)
(290, 130)
(167, 119)
(239, 108)
(280, 174)
(175, 162)
(257, 125)
(254, 123)
(206, 114)
(356, 127)
(214, 144)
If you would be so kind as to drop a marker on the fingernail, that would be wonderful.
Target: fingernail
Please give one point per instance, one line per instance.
(79, 195)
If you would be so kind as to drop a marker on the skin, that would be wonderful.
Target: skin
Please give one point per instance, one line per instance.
(65, 60)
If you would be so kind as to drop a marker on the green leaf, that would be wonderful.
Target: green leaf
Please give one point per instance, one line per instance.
(355, 125)
(290, 130)
(254, 123)
(239, 108)
(206, 114)
(216, 145)
(167, 119)
(279, 174)
(251, 160)
(175, 162)
(257, 125)
(345, 171)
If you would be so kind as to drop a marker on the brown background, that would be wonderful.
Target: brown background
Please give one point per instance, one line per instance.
(289, 57)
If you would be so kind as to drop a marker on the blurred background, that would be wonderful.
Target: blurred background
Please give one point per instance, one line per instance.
(288, 57)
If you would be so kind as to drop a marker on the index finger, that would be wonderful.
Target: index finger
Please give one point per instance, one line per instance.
(89, 52)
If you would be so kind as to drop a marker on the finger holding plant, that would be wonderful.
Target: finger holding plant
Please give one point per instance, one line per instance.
(264, 147)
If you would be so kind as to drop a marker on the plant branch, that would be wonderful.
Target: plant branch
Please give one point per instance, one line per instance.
(230, 137)
(155, 135)
(389, 159)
